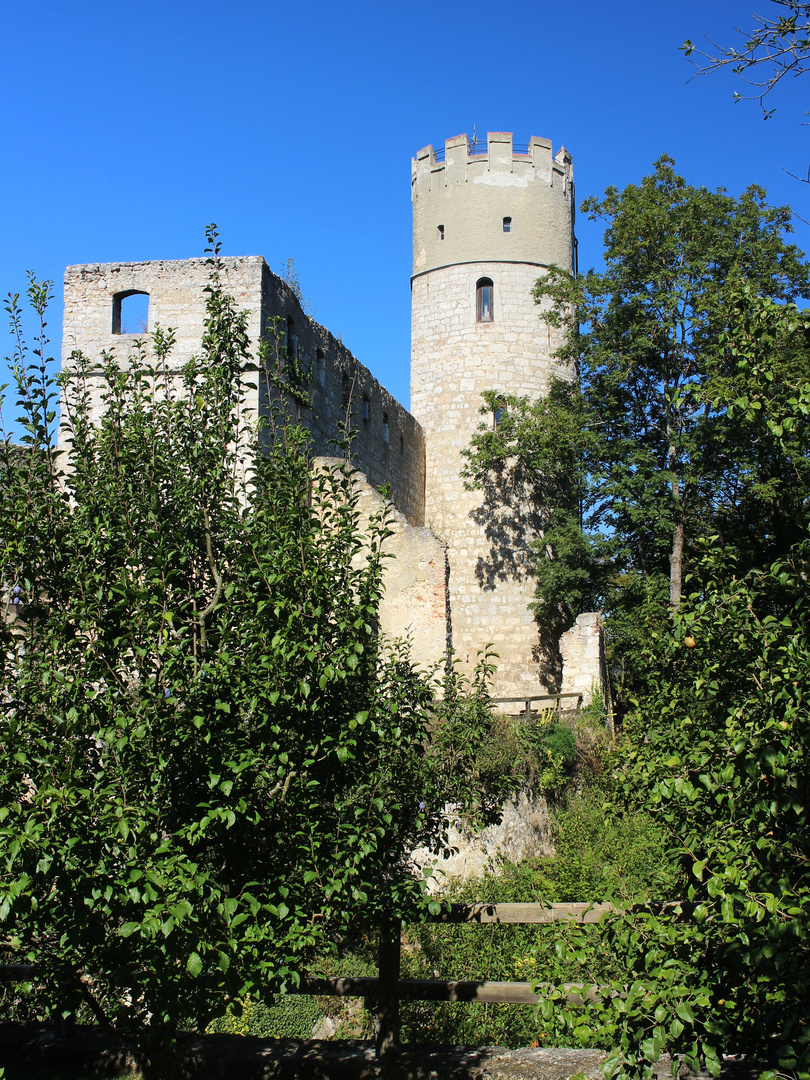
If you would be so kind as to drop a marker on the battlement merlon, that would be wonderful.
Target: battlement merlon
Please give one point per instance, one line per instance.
(499, 152)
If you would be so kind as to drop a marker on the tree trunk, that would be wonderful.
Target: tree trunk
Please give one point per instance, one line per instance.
(676, 566)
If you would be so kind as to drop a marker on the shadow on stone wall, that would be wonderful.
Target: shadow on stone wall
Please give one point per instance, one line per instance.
(511, 521)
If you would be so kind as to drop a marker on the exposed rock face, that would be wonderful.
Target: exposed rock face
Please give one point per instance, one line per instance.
(524, 832)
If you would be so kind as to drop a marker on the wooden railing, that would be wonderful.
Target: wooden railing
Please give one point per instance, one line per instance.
(526, 702)
(389, 989)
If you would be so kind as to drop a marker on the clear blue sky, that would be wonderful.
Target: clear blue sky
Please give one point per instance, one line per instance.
(126, 129)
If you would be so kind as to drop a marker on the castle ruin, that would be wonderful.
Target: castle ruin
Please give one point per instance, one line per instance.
(487, 222)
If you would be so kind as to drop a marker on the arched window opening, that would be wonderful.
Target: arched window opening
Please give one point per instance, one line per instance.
(484, 293)
(130, 313)
(498, 415)
(320, 367)
(386, 429)
(441, 232)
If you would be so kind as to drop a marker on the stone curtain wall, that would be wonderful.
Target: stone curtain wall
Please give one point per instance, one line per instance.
(398, 461)
(414, 604)
(177, 299)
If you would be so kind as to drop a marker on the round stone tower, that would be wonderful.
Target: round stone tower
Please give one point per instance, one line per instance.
(487, 222)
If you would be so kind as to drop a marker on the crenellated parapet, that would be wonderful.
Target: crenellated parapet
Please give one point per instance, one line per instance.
(465, 195)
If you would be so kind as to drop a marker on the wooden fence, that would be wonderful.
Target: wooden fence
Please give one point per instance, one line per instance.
(389, 989)
(526, 702)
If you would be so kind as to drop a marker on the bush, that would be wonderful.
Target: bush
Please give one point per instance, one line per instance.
(624, 856)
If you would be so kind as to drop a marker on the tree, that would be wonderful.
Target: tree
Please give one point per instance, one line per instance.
(212, 764)
(774, 49)
(640, 458)
(715, 750)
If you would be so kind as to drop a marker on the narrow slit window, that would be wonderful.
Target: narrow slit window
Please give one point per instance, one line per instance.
(130, 313)
(386, 429)
(441, 232)
(402, 444)
(366, 409)
(320, 367)
(292, 340)
(507, 224)
(346, 390)
(484, 294)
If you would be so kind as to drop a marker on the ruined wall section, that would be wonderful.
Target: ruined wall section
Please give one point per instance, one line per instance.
(176, 299)
(414, 602)
(389, 444)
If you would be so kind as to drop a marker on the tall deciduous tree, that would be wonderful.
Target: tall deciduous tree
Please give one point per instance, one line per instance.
(716, 749)
(653, 456)
(210, 765)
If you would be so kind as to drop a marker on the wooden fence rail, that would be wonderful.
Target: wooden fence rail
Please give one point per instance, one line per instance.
(389, 989)
(526, 702)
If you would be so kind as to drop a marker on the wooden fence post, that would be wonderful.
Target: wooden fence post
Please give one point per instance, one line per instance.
(387, 1041)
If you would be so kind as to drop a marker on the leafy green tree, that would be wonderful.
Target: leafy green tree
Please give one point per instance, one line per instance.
(626, 468)
(715, 752)
(212, 765)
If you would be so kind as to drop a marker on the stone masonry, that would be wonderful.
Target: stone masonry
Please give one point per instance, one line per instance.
(389, 445)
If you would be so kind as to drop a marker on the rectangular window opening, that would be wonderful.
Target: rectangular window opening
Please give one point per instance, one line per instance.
(441, 232)
(507, 224)
(130, 313)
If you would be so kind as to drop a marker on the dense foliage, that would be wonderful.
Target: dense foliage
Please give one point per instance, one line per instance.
(624, 858)
(210, 765)
(717, 753)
